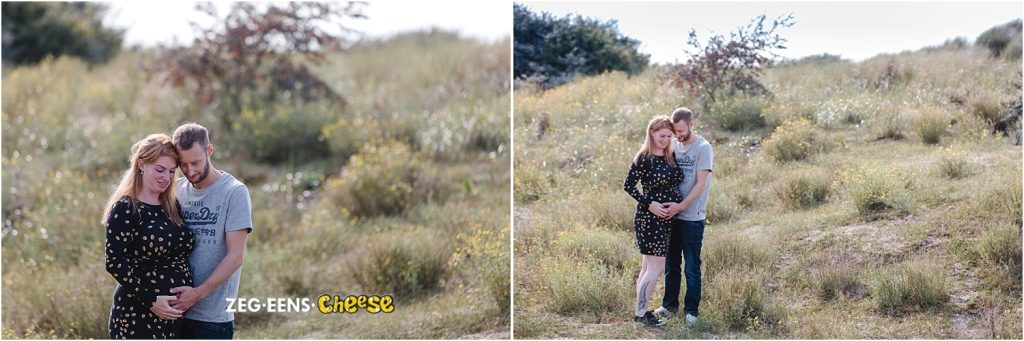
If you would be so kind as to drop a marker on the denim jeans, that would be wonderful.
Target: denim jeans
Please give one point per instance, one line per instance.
(193, 329)
(684, 243)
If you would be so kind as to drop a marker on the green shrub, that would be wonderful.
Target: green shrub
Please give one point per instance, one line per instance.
(1000, 38)
(875, 191)
(739, 113)
(804, 190)
(794, 140)
(554, 49)
(832, 282)
(280, 132)
(379, 180)
(929, 123)
(582, 287)
(908, 287)
(953, 164)
(403, 263)
(34, 30)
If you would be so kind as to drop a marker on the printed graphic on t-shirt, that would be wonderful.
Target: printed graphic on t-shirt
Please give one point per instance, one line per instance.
(197, 216)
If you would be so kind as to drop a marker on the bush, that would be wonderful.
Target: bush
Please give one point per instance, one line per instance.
(739, 113)
(285, 133)
(876, 192)
(555, 50)
(378, 181)
(34, 30)
(999, 38)
(582, 287)
(832, 282)
(953, 164)
(404, 263)
(908, 287)
(804, 190)
(929, 123)
(794, 140)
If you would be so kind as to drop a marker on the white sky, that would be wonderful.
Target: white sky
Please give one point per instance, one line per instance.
(854, 30)
(151, 22)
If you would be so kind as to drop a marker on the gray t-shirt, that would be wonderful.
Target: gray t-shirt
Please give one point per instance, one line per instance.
(210, 213)
(692, 158)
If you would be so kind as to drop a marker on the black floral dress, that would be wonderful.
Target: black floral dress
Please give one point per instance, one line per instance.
(660, 182)
(147, 253)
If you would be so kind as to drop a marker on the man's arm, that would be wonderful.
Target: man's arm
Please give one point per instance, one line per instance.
(188, 296)
(698, 188)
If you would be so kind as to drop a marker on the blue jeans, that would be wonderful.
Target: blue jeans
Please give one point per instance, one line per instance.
(194, 329)
(684, 242)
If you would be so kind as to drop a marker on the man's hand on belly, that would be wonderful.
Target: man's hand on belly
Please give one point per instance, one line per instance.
(187, 297)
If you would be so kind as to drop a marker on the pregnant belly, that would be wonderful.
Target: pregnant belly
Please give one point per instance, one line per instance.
(165, 279)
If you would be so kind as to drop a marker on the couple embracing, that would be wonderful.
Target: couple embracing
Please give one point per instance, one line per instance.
(674, 168)
(175, 246)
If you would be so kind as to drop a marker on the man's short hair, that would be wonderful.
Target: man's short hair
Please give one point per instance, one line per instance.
(682, 114)
(190, 133)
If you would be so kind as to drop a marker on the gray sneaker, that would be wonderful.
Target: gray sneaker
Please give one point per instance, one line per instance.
(664, 313)
(691, 320)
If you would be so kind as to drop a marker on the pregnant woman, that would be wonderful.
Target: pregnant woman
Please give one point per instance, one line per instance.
(655, 169)
(147, 244)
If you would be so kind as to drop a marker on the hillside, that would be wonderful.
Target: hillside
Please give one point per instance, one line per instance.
(426, 108)
(864, 200)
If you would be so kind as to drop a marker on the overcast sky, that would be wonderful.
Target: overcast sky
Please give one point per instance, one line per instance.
(854, 30)
(149, 23)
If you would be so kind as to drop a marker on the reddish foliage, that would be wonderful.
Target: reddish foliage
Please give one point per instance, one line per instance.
(256, 48)
(731, 65)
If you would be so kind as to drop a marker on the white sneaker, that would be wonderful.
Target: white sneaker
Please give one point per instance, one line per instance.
(691, 320)
(664, 313)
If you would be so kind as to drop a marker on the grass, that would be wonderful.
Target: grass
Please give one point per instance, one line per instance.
(908, 287)
(67, 129)
(833, 221)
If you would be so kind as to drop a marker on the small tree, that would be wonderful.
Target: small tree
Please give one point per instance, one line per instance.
(254, 53)
(730, 66)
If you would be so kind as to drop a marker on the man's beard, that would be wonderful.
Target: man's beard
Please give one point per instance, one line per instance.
(687, 136)
(206, 172)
